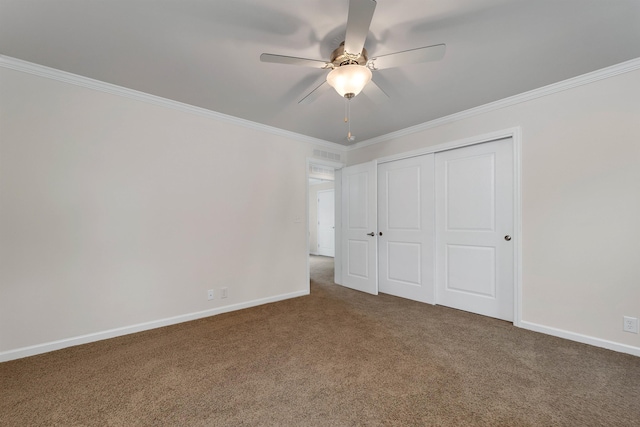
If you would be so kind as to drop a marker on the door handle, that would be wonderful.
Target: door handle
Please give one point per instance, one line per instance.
(507, 237)
(371, 234)
(381, 233)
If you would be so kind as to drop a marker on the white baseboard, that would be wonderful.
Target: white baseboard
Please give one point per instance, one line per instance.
(112, 333)
(585, 339)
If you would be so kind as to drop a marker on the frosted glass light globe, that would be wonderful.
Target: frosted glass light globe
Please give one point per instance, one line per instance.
(349, 80)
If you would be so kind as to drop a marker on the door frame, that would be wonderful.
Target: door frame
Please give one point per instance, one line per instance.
(515, 134)
(337, 208)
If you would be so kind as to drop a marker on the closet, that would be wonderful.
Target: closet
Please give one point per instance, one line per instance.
(435, 228)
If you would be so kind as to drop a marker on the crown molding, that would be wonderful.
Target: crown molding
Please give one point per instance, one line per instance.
(74, 79)
(594, 76)
(70, 78)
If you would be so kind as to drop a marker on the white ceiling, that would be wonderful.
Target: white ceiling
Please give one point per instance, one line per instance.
(206, 53)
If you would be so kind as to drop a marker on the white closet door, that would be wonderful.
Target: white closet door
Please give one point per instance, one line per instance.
(406, 223)
(326, 223)
(474, 226)
(359, 227)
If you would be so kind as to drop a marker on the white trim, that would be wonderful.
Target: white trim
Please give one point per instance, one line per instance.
(321, 162)
(74, 79)
(112, 333)
(473, 140)
(594, 76)
(585, 339)
(306, 226)
(337, 259)
(517, 225)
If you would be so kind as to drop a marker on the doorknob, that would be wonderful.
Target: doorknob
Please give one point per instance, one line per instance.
(371, 234)
(507, 237)
(381, 233)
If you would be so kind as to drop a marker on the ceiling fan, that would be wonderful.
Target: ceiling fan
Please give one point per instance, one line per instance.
(350, 64)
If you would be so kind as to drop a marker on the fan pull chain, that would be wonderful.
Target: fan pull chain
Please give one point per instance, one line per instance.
(346, 112)
(347, 118)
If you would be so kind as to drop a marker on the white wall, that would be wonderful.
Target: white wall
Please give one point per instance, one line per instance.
(313, 213)
(580, 208)
(115, 212)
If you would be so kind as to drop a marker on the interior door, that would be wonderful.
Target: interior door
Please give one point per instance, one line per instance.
(359, 227)
(474, 228)
(326, 223)
(406, 215)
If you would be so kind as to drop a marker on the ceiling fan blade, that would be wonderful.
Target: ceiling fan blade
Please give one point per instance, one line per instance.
(292, 60)
(412, 56)
(358, 22)
(315, 93)
(375, 93)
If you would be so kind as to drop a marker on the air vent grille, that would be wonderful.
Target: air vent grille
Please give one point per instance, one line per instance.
(321, 172)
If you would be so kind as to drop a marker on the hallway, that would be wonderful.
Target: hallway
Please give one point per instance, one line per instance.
(321, 270)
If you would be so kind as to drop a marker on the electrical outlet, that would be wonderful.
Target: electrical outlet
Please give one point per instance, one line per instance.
(630, 324)
(210, 294)
(223, 293)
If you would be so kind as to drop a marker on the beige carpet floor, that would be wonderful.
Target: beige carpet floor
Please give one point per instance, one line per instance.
(335, 358)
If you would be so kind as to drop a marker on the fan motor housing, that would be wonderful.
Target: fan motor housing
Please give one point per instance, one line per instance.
(340, 57)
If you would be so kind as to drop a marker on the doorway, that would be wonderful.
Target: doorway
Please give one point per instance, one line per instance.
(321, 209)
(321, 270)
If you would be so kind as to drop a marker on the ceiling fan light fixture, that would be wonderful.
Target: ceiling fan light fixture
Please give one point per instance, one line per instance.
(349, 80)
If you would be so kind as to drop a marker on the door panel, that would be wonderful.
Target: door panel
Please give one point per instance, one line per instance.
(471, 193)
(358, 254)
(471, 269)
(403, 187)
(474, 212)
(406, 220)
(404, 262)
(359, 220)
(326, 223)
